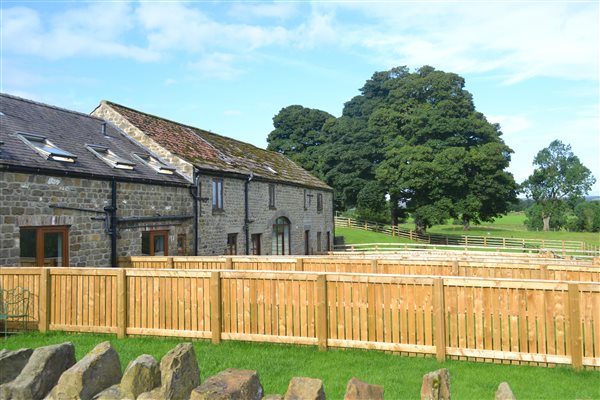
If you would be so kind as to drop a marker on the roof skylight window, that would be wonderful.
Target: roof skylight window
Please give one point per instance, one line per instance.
(46, 148)
(109, 157)
(155, 163)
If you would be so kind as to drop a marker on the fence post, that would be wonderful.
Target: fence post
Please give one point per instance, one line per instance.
(215, 309)
(170, 263)
(374, 266)
(563, 248)
(44, 308)
(122, 303)
(322, 323)
(455, 268)
(228, 263)
(575, 327)
(440, 319)
(544, 271)
(299, 264)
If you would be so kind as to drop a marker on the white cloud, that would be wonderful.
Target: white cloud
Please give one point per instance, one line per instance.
(278, 10)
(93, 30)
(510, 124)
(217, 65)
(556, 39)
(176, 26)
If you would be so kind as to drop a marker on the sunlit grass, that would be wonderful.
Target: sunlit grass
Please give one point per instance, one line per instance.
(400, 375)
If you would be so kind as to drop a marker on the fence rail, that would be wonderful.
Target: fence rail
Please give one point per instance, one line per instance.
(442, 264)
(558, 247)
(504, 320)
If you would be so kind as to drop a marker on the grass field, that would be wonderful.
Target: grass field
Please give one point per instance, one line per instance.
(400, 375)
(352, 235)
(509, 226)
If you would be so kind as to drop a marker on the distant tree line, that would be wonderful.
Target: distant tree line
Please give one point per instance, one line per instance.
(409, 143)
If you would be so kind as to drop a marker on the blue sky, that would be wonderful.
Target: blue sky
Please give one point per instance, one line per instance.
(230, 66)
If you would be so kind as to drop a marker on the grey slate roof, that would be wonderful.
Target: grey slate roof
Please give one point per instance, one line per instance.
(71, 131)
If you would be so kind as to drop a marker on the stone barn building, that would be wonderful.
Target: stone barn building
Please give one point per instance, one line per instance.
(76, 191)
(251, 201)
(81, 190)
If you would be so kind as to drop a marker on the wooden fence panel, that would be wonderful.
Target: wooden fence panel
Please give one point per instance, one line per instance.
(263, 264)
(337, 265)
(509, 320)
(28, 278)
(168, 303)
(88, 300)
(589, 299)
(385, 312)
(272, 307)
(212, 263)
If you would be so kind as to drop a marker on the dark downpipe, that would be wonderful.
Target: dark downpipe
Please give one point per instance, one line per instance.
(112, 211)
(194, 191)
(247, 214)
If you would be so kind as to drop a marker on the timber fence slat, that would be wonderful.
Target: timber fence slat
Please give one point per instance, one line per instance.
(494, 319)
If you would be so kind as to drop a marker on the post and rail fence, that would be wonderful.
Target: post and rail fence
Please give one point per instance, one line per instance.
(559, 248)
(485, 319)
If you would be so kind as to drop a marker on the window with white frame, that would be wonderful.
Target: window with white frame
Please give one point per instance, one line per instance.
(109, 157)
(217, 194)
(46, 148)
(155, 163)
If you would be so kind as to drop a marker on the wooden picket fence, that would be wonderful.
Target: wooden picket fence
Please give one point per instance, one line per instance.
(471, 265)
(494, 320)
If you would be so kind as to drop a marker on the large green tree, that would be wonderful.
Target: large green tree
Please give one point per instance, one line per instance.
(297, 135)
(558, 177)
(442, 158)
(414, 136)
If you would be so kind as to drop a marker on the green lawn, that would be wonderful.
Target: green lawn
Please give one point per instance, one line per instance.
(509, 226)
(352, 236)
(400, 375)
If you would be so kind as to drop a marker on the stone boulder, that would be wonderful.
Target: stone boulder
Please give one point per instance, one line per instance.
(179, 375)
(12, 363)
(436, 385)
(98, 370)
(40, 374)
(112, 393)
(359, 390)
(305, 389)
(273, 397)
(141, 375)
(231, 384)
(504, 392)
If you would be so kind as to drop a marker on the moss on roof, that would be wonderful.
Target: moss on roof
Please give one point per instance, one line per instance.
(212, 151)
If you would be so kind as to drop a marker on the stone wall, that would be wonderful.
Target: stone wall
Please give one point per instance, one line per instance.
(215, 225)
(25, 200)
